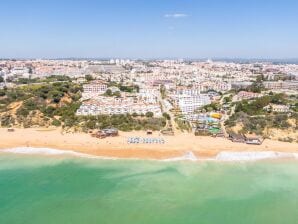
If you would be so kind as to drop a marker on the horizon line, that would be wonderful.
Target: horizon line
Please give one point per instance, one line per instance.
(148, 58)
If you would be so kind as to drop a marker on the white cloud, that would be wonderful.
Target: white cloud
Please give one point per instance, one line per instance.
(176, 15)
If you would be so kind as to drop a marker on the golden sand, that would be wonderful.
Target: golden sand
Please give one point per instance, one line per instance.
(175, 146)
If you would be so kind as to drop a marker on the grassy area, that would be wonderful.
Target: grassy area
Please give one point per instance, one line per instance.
(52, 78)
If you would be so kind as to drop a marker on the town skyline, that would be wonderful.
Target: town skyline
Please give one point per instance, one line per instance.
(235, 60)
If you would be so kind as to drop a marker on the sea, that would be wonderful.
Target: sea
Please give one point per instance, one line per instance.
(52, 188)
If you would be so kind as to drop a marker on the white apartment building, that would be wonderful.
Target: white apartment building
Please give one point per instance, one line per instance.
(277, 108)
(188, 104)
(244, 95)
(219, 86)
(110, 106)
(187, 91)
(20, 70)
(291, 85)
(95, 87)
(149, 95)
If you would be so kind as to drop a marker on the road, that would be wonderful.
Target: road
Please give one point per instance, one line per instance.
(225, 118)
(172, 117)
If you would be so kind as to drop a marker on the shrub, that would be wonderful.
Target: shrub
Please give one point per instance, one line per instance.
(149, 114)
(30, 104)
(56, 123)
(22, 112)
(166, 116)
(2, 92)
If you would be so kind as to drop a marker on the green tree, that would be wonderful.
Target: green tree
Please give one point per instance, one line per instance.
(149, 114)
(89, 78)
(227, 99)
(108, 92)
(2, 92)
(56, 95)
(166, 116)
(257, 86)
(163, 92)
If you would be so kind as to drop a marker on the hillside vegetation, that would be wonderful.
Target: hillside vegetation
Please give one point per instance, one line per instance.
(39, 105)
(55, 104)
(250, 117)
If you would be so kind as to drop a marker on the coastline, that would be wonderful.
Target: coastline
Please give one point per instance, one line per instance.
(175, 147)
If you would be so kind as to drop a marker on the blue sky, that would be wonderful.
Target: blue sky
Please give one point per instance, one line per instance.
(149, 28)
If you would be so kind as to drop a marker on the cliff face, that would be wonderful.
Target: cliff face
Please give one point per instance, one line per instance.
(287, 134)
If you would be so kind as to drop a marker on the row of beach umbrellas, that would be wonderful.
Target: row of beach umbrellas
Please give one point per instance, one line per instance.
(139, 140)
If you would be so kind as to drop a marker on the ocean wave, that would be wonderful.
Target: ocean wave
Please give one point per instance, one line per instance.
(49, 152)
(253, 156)
(189, 156)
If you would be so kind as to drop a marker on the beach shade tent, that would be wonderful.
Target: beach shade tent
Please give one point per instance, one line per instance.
(134, 140)
(137, 140)
(130, 140)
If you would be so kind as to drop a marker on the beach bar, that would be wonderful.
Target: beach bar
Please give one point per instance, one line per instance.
(253, 140)
(108, 132)
(237, 138)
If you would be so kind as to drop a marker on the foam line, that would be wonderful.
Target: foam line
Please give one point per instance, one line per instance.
(253, 156)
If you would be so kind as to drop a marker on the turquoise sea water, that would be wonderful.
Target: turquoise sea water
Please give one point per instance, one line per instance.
(43, 190)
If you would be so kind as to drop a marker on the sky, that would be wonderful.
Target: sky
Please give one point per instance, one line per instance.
(148, 29)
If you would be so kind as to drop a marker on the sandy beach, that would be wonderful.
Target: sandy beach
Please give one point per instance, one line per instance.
(175, 146)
